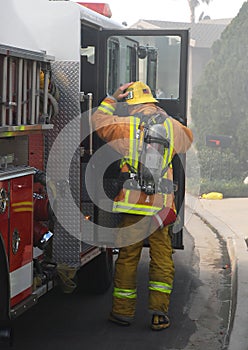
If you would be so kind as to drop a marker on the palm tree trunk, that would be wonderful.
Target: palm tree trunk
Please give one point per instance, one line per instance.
(192, 6)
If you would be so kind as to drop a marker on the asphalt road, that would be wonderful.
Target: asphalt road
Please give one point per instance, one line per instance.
(198, 311)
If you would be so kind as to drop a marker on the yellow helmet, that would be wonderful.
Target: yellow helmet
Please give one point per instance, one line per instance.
(139, 93)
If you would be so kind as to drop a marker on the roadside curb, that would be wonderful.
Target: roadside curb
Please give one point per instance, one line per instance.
(237, 335)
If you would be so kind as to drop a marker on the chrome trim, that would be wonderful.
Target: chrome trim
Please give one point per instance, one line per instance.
(25, 84)
(23, 306)
(37, 93)
(22, 53)
(44, 289)
(90, 102)
(3, 200)
(33, 82)
(10, 103)
(89, 256)
(4, 90)
(16, 239)
(14, 172)
(45, 103)
(19, 91)
(31, 300)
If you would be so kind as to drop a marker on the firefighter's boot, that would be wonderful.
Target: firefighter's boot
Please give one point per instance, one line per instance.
(119, 320)
(160, 322)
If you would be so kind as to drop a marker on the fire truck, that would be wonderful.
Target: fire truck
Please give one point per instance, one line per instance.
(58, 60)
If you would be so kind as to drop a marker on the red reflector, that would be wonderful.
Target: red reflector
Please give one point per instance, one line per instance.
(217, 142)
(98, 7)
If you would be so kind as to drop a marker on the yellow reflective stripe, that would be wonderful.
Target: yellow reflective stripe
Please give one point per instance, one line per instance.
(171, 148)
(131, 151)
(22, 206)
(168, 151)
(126, 204)
(108, 106)
(123, 162)
(132, 211)
(18, 204)
(18, 210)
(165, 198)
(134, 208)
(125, 293)
(141, 206)
(160, 287)
(133, 144)
(105, 110)
(140, 209)
(133, 157)
(126, 197)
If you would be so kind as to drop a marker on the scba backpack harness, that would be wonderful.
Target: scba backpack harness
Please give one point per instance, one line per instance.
(150, 156)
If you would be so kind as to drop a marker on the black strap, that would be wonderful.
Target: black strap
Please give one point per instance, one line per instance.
(164, 142)
(166, 186)
(150, 119)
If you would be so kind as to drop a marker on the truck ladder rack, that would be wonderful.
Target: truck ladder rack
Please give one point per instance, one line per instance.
(20, 88)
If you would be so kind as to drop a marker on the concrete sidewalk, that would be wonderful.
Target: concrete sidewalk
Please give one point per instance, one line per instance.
(230, 218)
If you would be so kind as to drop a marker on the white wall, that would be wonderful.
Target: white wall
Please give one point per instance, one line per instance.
(52, 26)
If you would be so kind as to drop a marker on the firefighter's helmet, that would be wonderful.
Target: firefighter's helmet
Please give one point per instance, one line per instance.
(139, 93)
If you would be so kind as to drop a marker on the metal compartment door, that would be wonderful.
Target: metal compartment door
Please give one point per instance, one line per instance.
(161, 61)
(21, 238)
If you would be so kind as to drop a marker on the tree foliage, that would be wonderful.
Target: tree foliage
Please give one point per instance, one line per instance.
(220, 101)
(193, 4)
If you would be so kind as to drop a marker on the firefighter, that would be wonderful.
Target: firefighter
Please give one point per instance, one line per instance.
(145, 214)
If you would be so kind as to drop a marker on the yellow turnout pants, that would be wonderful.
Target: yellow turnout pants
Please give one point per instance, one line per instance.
(161, 268)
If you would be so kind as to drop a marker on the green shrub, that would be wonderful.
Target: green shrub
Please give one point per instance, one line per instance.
(229, 189)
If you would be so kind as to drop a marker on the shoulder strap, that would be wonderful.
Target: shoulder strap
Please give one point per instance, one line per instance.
(150, 119)
(169, 151)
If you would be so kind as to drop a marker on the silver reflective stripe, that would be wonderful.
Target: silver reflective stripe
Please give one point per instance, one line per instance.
(160, 221)
(160, 287)
(125, 293)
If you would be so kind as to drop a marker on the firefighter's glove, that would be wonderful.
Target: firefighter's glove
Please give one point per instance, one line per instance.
(164, 217)
(120, 93)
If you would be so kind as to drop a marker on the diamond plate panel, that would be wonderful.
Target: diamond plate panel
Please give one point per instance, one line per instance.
(87, 225)
(63, 141)
(107, 222)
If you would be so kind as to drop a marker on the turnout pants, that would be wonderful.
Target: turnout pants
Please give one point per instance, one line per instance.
(161, 267)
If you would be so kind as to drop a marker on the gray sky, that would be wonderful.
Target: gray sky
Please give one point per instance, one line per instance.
(169, 10)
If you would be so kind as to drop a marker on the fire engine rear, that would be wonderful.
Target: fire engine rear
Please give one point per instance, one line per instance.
(58, 60)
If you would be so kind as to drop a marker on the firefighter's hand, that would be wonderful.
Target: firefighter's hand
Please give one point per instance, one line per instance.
(120, 93)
